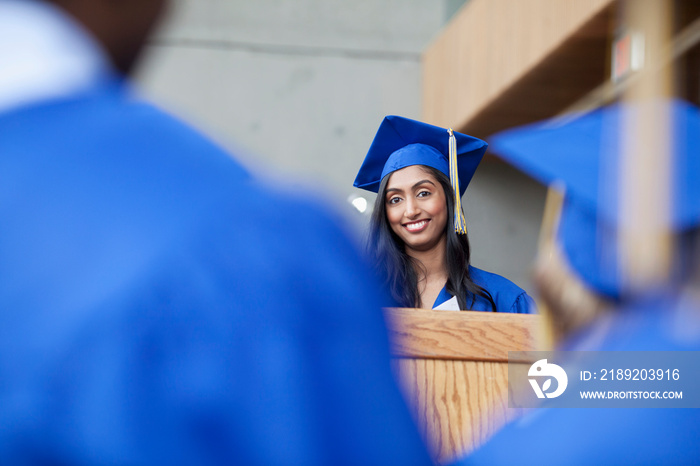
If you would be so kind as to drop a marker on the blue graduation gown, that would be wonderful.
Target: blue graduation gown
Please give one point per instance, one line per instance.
(158, 306)
(572, 436)
(508, 296)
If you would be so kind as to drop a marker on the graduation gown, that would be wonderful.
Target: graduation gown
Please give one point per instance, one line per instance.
(507, 296)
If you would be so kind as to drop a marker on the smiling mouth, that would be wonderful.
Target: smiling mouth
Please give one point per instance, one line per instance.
(416, 226)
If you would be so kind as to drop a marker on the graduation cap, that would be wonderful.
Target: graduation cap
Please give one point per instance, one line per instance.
(402, 142)
(584, 154)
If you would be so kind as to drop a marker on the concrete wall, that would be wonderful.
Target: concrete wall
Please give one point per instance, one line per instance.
(302, 85)
(503, 209)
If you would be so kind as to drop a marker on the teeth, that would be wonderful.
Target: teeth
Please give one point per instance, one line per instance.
(416, 226)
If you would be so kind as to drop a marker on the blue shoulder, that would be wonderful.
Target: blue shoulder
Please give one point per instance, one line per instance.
(110, 123)
(132, 234)
(508, 296)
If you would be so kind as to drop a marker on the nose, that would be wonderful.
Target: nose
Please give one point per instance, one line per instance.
(412, 209)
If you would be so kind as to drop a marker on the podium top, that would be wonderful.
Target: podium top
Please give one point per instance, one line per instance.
(469, 335)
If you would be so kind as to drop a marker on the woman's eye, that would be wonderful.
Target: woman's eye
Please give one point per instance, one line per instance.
(394, 200)
(424, 193)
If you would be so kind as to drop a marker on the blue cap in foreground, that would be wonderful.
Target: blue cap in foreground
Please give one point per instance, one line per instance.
(584, 155)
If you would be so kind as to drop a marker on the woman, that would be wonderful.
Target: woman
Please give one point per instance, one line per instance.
(417, 232)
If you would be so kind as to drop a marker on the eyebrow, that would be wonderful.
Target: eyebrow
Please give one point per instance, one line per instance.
(412, 187)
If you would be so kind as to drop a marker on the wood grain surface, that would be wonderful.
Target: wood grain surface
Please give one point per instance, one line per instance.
(457, 405)
(481, 336)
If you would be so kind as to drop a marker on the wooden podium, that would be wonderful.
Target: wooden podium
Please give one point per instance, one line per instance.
(453, 370)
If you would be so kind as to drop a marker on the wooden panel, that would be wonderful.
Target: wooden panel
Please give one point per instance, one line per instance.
(483, 336)
(493, 48)
(453, 370)
(456, 404)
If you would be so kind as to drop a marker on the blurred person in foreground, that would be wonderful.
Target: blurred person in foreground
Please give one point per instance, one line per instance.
(153, 310)
(592, 307)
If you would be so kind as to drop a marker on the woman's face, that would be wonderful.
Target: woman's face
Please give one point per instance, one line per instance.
(416, 208)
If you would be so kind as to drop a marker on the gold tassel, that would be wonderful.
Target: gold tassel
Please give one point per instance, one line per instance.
(460, 223)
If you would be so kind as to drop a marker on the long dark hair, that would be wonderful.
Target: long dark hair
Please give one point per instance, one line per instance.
(388, 252)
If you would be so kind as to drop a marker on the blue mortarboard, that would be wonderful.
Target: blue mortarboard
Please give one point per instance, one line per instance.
(402, 142)
(584, 155)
